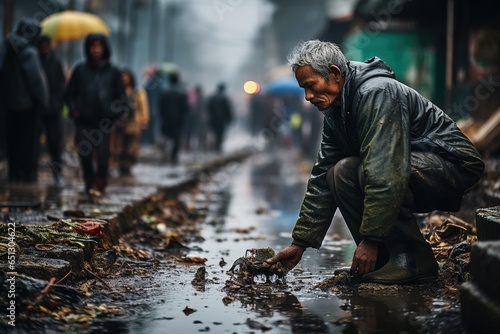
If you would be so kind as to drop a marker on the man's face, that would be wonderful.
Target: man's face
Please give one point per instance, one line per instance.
(319, 91)
(96, 50)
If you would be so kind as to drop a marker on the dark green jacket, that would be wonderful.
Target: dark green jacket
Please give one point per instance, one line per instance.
(380, 120)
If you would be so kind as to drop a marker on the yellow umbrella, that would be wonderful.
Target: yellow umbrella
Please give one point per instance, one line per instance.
(69, 25)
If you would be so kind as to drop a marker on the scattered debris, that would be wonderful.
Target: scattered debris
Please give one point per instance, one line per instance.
(450, 238)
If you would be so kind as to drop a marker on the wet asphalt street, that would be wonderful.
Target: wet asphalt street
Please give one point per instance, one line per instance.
(254, 204)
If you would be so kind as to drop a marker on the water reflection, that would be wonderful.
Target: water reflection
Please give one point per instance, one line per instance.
(390, 310)
(263, 197)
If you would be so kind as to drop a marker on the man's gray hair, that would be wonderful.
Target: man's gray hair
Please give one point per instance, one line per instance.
(319, 55)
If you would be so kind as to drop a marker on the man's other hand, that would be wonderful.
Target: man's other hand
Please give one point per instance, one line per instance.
(287, 257)
(365, 257)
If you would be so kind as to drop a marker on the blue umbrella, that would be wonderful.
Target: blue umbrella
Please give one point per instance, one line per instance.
(285, 85)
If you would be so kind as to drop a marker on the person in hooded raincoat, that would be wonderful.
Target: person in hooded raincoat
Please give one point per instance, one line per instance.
(173, 109)
(386, 153)
(220, 115)
(95, 96)
(23, 95)
(51, 118)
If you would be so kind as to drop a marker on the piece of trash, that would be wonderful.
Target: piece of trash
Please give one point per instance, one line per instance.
(161, 227)
(90, 228)
(227, 300)
(188, 310)
(199, 276)
(253, 262)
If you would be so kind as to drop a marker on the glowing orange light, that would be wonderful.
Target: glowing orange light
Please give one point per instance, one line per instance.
(251, 87)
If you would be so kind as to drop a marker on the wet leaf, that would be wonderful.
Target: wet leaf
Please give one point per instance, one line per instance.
(254, 324)
(194, 258)
(199, 276)
(228, 300)
(174, 242)
(44, 247)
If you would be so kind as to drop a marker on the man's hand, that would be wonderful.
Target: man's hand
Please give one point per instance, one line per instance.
(365, 257)
(287, 257)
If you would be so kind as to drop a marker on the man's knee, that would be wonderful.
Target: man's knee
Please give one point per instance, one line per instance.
(345, 171)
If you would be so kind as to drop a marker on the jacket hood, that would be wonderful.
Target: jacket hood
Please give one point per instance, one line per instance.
(25, 33)
(359, 72)
(97, 36)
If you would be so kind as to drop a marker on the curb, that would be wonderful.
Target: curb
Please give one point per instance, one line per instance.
(122, 204)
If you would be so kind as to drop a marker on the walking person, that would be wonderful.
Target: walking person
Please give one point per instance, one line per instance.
(220, 115)
(130, 126)
(174, 109)
(51, 117)
(387, 152)
(24, 95)
(96, 99)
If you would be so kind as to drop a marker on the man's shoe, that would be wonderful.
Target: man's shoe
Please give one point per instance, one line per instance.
(404, 268)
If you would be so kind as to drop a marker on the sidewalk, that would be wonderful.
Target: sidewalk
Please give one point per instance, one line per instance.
(37, 209)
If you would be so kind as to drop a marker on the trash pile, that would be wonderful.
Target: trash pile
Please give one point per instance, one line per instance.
(246, 269)
(450, 238)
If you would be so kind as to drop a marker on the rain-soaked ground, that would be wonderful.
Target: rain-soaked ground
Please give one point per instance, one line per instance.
(170, 274)
(254, 205)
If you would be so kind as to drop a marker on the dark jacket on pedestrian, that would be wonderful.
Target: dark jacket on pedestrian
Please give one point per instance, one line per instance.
(174, 108)
(56, 82)
(95, 91)
(382, 121)
(219, 110)
(23, 84)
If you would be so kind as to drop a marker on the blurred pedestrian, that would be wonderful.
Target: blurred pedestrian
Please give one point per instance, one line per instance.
(131, 125)
(220, 115)
(96, 99)
(51, 117)
(174, 109)
(201, 115)
(24, 94)
(196, 125)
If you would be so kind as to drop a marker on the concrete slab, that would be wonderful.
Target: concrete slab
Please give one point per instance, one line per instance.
(488, 223)
(480, 296)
